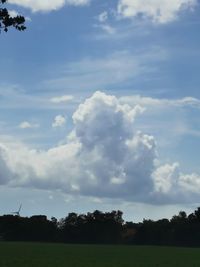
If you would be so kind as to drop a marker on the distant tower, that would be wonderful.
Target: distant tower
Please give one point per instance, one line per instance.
(17, 212)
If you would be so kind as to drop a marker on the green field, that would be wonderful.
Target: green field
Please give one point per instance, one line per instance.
(59, 255)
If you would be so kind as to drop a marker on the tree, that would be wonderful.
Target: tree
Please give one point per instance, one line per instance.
(7, 21)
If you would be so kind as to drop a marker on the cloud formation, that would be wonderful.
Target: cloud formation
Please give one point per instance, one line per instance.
(28, 125)
(48, 5)
(61, 99)
(158, 11)
(104, 156)
(103, 16)
(59, 121)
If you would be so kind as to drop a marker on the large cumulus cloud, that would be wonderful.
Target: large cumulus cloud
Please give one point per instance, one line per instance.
(104, 156)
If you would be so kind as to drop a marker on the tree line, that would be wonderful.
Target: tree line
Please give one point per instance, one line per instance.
(103, 228)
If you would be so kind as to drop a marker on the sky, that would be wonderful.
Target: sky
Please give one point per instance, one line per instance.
(100, 108)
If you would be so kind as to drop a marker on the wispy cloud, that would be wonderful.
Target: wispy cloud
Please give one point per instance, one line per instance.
(106, 27)
(61, 99)
(95, 73)
(14, 97)
(162, 103)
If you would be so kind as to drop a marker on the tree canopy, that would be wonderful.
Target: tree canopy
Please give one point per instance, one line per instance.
(7, 21)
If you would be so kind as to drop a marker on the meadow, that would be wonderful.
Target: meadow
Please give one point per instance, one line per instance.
(61, 255)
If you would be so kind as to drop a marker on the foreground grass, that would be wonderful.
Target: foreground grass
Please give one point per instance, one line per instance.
(60, 255)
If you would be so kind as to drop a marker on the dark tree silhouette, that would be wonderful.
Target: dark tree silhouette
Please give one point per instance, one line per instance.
(103, 228)
(7, 21)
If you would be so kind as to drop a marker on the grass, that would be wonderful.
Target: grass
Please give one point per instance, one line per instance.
(60, 255)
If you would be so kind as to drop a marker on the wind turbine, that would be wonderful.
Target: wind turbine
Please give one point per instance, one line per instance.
(17, 212)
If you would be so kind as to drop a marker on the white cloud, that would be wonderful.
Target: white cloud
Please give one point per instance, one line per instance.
(28, 125)
(190, 182)
(172, 186)
(104, 156)
(103, 16)
(158, 11)
(165, 177)
(61, 99)
(59, 121)
(48, 5)
(77, 2)
(13, 13)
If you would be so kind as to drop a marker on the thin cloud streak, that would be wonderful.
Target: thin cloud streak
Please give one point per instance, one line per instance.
(90, 74)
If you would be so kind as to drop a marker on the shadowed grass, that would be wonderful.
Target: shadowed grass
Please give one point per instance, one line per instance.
(60, 255)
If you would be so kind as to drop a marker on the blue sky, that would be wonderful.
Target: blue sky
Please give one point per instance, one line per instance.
(99, 108)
